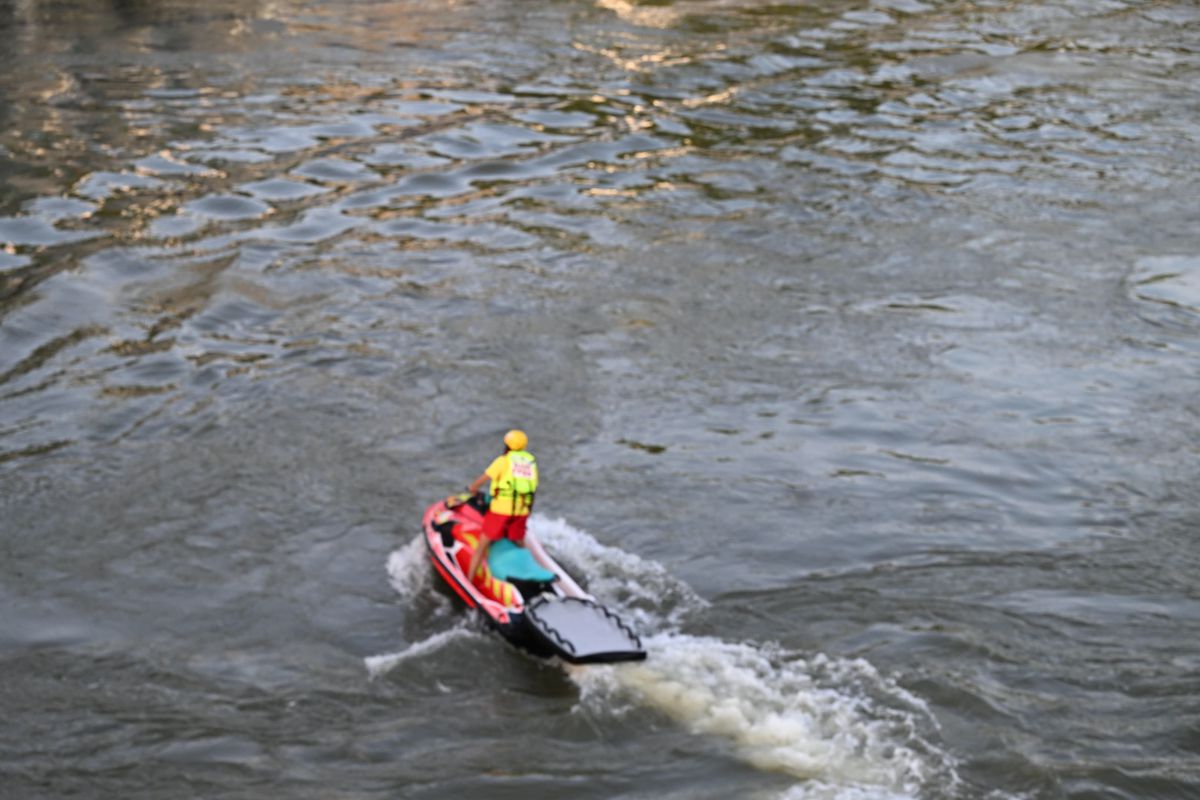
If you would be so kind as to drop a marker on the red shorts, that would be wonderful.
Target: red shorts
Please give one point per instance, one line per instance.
(502, 526)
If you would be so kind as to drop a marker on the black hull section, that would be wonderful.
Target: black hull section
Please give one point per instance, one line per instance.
(578, 631)
(581, 631)
(519, 633)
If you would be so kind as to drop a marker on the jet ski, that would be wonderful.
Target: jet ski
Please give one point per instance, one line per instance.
(522, 592)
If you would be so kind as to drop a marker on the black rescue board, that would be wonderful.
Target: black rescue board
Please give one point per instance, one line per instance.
(582, 631)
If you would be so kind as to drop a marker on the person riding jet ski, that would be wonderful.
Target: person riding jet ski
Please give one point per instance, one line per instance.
(514, 479)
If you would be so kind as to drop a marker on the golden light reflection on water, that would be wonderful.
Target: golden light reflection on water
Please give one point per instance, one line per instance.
(655, 16)
(645, 62)
(376, 150)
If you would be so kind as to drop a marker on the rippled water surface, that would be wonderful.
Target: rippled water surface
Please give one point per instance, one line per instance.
(857, 342)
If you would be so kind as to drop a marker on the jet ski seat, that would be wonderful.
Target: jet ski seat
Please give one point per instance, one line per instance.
(511, 562)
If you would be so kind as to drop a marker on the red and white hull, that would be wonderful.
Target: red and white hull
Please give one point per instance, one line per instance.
(552, 617)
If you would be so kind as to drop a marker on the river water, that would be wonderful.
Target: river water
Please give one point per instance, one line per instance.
(857, 342)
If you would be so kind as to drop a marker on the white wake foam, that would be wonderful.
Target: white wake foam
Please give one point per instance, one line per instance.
(383, 664)
(411, 575)
(641, 591)
(837, 724)
(409, 569)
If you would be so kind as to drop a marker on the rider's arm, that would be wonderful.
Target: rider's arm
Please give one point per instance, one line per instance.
(478, 483)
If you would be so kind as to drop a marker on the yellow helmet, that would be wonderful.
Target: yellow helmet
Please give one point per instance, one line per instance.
(515, 440)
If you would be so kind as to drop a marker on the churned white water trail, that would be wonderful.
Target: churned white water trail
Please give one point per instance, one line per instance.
(839, 725)
(846, 731)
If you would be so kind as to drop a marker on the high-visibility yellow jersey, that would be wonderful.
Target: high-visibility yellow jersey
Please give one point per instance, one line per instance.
(514, 480)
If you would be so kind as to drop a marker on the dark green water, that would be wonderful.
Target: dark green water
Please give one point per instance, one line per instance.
(856, 341)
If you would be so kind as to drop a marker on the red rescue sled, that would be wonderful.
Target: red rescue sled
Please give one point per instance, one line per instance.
(522, 592)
